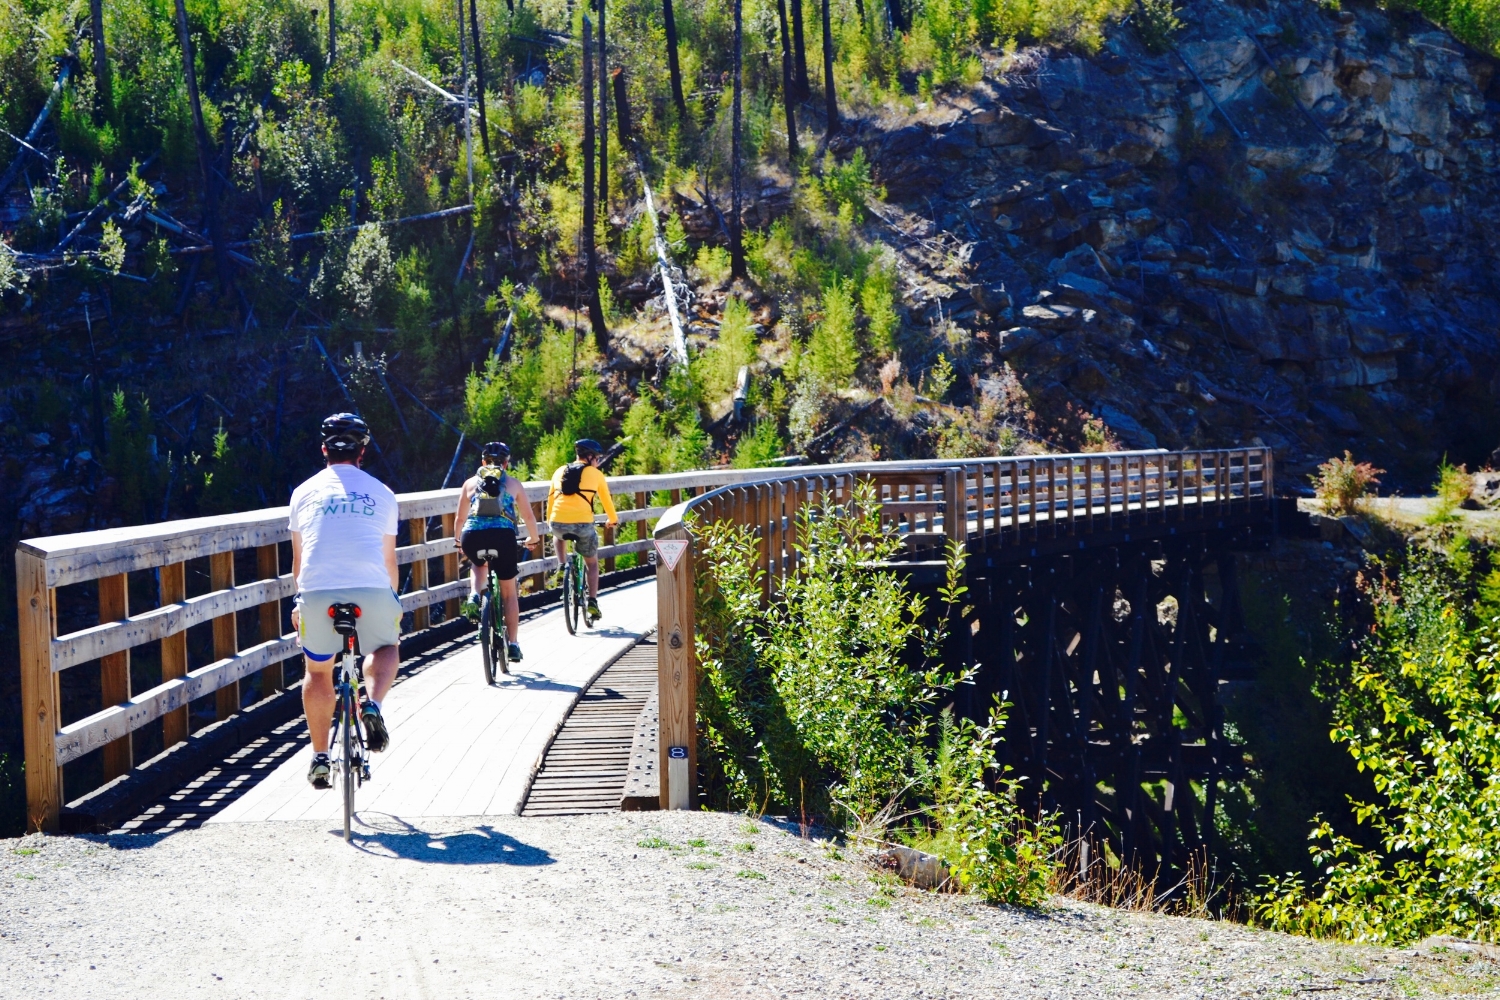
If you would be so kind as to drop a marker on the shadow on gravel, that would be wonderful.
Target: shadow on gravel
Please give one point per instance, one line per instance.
(387, 836)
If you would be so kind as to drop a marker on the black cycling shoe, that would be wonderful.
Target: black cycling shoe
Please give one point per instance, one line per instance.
(513, 652)
(320, 774)
(377, 738)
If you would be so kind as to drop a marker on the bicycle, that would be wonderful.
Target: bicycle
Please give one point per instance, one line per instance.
(491, 607)
(352, 766)
(575, 591)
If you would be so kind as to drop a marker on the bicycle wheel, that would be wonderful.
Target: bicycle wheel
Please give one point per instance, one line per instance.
(487, 635)
(571, 610)
(346, 765)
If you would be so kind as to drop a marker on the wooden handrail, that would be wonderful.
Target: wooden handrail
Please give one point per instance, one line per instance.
(986, 504)
(43, 565)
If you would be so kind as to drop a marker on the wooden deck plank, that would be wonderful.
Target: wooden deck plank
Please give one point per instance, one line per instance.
(586, 766)
(459, 747)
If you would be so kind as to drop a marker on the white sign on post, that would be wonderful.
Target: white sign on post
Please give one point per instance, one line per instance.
(671, 550)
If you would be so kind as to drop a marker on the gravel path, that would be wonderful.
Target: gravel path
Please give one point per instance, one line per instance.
(610, 905)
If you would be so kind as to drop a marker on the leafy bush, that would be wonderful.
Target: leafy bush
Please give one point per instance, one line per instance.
(1340, 483)
(1422, 716)
(810, 703)
(1454, 487)
(825, 702)
(991, 847)
(759, 448)
(1156, 22)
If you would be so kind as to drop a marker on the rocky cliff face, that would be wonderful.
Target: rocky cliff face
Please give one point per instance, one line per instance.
(1285, 229)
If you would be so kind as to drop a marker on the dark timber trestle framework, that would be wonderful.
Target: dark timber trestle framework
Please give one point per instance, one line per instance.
(1111, 660)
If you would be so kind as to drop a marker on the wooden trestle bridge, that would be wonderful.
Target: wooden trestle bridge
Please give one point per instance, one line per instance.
(1105, 609)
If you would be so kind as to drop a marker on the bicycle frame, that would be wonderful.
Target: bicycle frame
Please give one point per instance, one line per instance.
(347, 734)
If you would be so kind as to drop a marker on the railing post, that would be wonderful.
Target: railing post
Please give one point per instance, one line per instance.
(174, 724)
(955, 519)
(39, 693)
(114, 671)
(450, 570)
(677, 674)
(268, 567)
(226, 637)
(416, 529)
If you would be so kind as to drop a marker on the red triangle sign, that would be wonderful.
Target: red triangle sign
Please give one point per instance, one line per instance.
(670, 550)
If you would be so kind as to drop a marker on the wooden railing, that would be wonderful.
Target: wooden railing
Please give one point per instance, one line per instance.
(1016, 504)
(164, 613)
(990, 502)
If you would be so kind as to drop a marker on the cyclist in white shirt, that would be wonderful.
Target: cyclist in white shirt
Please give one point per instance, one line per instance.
(343, 523)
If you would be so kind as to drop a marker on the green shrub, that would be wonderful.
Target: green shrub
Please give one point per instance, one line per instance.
(1421, 715)
(717, 369)
(1340, 483)
(759, 448)
(877, 298)
(1454, 487)
(1156, 22)
(712, 265)
(832, 352)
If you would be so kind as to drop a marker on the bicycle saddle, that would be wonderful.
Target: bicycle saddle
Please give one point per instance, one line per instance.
(345, 618)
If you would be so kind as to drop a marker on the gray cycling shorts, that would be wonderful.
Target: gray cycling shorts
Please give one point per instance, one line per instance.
(379, 620)
(585, 538)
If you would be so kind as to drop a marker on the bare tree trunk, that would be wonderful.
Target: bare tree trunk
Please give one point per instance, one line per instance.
(205, 153)
(672, 65)
(897, 15)
(788, 95)
(590, 263)
(333, 27)
(603, 118)
(799, 53)
(830, 89)
(622, 107)
(102, 100)
(736, 224)
(484, 122)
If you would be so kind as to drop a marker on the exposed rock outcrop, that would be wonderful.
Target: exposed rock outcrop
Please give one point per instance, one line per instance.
(1301, 250)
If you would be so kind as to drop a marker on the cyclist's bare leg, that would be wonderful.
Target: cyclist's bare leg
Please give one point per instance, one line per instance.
(476, 579)
(512, 609)
(318, 701)
(592, 562)
(380, 672)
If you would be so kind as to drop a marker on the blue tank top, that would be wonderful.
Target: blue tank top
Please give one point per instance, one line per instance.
(486, 511)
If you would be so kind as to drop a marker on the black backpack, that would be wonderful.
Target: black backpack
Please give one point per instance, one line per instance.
(572, 477)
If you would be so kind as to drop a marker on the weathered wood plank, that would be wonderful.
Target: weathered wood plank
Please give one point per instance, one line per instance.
(677, 681)
(642, 783)
(114, 671)
(268, 567)
(96, 730)
(39, 693)
(421, 613)
(174, 661)
(169, 619)
(81, 556)
(226, 633)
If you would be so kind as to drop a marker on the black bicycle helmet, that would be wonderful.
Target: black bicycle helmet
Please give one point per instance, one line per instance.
(345, 433)
(587, 448)
(496, 451)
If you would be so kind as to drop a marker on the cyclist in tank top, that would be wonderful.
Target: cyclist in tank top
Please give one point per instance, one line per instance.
(486, 521)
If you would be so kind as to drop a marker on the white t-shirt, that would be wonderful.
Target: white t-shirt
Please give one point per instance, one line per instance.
(344, 515)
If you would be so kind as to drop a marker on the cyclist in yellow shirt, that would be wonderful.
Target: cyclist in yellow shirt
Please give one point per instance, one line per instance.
(570, 509)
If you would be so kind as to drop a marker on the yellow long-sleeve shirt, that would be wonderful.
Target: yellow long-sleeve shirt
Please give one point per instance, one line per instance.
(579, 507)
